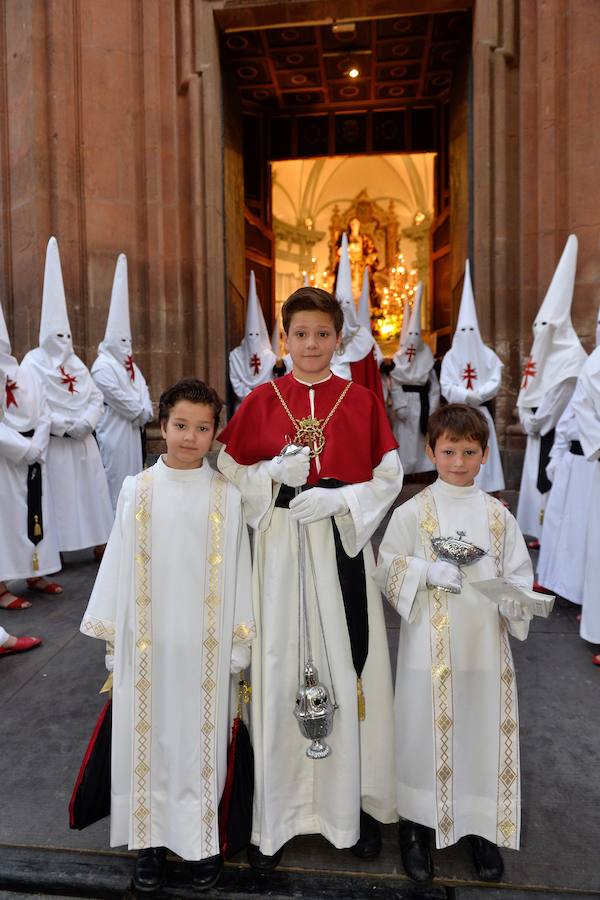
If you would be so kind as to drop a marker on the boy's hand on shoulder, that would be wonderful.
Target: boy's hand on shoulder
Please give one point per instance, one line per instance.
(316, 504)
(291, 470)
(445, 576)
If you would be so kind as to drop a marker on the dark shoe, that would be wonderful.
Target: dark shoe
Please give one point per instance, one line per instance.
(414, 850)
(486, 859)
(368, 846)
(260, 861)
(206, 872)
(150, 871)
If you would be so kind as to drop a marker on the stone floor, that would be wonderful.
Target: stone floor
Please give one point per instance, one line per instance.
(49, 702)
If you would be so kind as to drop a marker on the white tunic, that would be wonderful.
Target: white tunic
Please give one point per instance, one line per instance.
(457, 745)
(294, 794)
(127, 408)
(407, 428)
(172, 593)
(16, 550)
(561, 565)
(530, 511)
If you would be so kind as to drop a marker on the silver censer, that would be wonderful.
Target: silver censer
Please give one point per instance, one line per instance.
(457, 551)
(314, 709)
(314, 713)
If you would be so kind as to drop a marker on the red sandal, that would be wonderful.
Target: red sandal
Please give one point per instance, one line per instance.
(23, 644)
(596, 659)
(17, 603)
(51, 588)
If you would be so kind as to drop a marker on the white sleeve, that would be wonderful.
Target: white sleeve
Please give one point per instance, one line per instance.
(553, 405)
(368, 502)
(434, 392)
(398, 396)
(517, 569)
(588, 423)
(491, 387)
(95, 408)
(399, 573)
(453, 392)
(258, 491)
(126, 405)
(13, 446)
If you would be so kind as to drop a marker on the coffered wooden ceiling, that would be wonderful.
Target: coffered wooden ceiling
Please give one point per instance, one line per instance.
(402, 61)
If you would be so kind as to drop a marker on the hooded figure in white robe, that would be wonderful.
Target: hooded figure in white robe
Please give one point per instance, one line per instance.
(415, 392)
(548, 383)
(127, 404)
(78, 484)
(472, 373)
(586, 405)
(561, 564)
(24, 437)
(354, 359)
(252, 362)
(364, 314)
(172, 600)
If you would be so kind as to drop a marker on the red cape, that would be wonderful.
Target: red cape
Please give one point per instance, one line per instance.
(357, 436)
(366, 372)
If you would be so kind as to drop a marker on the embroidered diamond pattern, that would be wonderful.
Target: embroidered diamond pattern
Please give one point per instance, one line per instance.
(507, 828)
(444, 722)
(210, 643)
(446, 824)
(439, 621)
(508, 727)
(444, 772)
(508, 776)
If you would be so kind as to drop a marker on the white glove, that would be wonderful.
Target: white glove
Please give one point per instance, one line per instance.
(472, 398)
(33, 454)
(291, 470)
(402, 413)
(551, 468)
(240, 658)
(109, 662)
(514, 611)
(444, 575)
(80, 430)
(318, 503)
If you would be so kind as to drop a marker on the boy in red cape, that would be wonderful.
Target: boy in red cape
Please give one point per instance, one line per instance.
(349, 474)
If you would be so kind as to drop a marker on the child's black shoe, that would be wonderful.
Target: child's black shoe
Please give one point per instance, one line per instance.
(150, 871)
(206, 872)
(414, 850)
(486, 859)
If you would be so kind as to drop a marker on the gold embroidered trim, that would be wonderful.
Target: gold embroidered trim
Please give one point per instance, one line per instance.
(441, 678)
(395, 580)
(310, 431)
(142, 703)
(211, 624)
(244, 631)
(508, 816)
(98, 628)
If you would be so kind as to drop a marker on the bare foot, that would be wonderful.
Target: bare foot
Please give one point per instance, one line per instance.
(9, 642)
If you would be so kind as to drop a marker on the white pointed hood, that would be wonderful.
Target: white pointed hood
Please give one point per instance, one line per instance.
(405, 324)
(115, 351)
(117, 337)
(8, 363)
(556, 353)
(414, 360)
(55, 330)
(356, 341)
(364, 304)
(66, 378)
(469, 363)
(252, 362)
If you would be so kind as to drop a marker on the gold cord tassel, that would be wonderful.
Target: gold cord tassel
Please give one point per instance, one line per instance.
(541, 516)
(362, 713)
(36, 561)
(37, 528)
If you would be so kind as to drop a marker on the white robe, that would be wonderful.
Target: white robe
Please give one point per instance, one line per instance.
(457, 744)
(172, 594)
(407, 430)
(294, 794)
(530, 511)
(586, 403)
(561, 565)
(126, 410)
(16, 550)
(491, 476)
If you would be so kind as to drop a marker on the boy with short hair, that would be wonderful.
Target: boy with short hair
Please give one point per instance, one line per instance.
(350, 473)
(173, 601)
(457, 739)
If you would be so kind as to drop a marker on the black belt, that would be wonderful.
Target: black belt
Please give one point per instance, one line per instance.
(351, 574)
(543, 483)
(35, 522)
(29, 433)
(423, 391)
(576, 449)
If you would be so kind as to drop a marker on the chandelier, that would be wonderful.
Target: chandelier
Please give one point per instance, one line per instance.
(402, 285)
